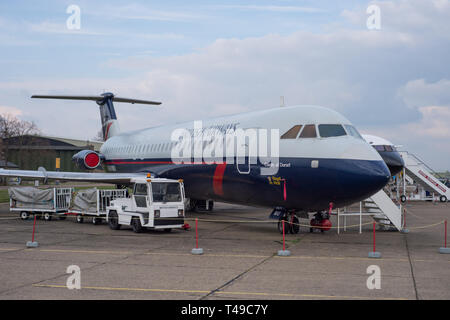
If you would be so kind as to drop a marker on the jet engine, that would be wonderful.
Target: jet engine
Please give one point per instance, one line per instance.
(87, 159)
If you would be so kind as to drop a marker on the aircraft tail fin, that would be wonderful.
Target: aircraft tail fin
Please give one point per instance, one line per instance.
(110, 126)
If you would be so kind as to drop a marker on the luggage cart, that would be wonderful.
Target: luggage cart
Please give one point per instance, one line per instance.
(92, 203)
(47, 203)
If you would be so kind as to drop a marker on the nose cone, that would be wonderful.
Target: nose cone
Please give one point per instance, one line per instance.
(394, 161)
(362, 179)
(377, 176)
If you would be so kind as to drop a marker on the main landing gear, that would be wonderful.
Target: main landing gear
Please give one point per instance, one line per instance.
(291, 223)
(199, 205)
(321, 221)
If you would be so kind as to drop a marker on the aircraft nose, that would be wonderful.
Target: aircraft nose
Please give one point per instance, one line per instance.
(378, 173)
(363, 179)
(394, 162)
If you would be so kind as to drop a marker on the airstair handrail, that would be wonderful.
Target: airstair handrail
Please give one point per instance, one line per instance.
(420, 161)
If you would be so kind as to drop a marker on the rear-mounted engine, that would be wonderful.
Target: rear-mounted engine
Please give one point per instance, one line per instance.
(87, 159)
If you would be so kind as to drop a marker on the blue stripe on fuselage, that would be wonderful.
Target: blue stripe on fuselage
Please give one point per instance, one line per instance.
(341, 181)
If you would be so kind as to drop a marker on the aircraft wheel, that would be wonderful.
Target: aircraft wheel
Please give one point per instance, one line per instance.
(403, 198)
(286, 225)
(113, 220)
(47, 216)
(210, 205)
(24, 215)
(295, 228)
(443, 199)
(136, 224)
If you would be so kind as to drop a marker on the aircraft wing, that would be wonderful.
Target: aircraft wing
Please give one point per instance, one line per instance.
(115, 178)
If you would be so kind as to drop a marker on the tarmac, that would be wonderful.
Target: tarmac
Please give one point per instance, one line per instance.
(240, 259)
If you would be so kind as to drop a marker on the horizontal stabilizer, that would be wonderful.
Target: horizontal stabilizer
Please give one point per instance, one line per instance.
(96, 98)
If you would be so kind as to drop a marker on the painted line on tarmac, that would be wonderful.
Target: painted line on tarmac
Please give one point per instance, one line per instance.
(349, 258)
(126, 289)
(216, 255)
(221, 292)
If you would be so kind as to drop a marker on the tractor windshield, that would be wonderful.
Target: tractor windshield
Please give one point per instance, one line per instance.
(166, 192)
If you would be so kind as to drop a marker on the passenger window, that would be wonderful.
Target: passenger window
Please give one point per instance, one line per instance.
(309, 131)
(388, 148)
(331, 130)
(379, 148)
(292, 133)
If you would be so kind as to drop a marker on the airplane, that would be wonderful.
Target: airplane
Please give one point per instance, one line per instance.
(388, 152)
(323, 161)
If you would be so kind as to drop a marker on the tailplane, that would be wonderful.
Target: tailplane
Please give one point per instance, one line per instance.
(110, 126)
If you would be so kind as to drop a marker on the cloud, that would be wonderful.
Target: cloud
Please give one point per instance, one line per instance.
(427, 137)
(10, 110)
(61, 28)
(423, 18)
(418, 93)
(143, 12)
(272, 8)
(435, 123)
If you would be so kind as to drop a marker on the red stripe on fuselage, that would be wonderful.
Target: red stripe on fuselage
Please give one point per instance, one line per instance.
(152, 162)
(218, 179)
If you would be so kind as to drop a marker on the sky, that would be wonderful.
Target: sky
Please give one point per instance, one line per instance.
(212, 58)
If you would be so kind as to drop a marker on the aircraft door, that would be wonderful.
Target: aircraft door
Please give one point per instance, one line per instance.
(243, 164)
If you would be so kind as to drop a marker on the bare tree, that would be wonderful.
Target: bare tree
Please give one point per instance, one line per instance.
(13, 127)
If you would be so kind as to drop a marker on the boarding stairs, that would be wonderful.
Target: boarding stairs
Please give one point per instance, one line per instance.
(383, 210)
(424, 175)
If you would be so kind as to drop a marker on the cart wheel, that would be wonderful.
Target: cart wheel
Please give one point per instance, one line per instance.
(24, 215)
(136, 224)
(311, 230)
(79, 218)
(113, 220)
(96, 220)
(47, 216)
(443, 199)
(168, 230)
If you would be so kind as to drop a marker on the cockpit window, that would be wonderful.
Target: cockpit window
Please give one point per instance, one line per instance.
(309, 131)
(353, 132)
(385, 148)
(331, 130)
(292, 132)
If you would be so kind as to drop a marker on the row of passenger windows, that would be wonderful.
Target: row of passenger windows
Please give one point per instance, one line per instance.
(325, 131)
(144, 148)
